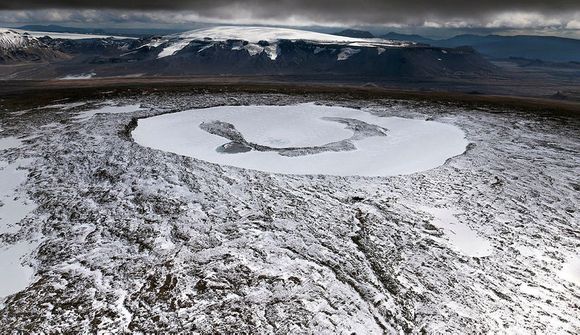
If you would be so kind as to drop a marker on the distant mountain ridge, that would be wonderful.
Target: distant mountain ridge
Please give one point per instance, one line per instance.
(406, 37)
(130, 32)
(546, 48)
(355, 33)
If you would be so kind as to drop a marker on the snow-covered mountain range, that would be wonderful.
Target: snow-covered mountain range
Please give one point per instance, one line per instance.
(11, 39)
(265, 39)
(240, 51)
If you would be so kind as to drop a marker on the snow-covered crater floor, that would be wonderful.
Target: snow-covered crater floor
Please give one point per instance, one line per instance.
(104, 235)
(408, 146)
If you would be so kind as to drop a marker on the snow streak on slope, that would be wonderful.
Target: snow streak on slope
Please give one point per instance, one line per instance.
(409, 146)
(173, 48)
(79, 76)
(346, 53)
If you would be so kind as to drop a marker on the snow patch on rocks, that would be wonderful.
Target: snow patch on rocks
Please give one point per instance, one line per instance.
(10, 142)
(571, 270)
(106, 109)
(13, 207)
(17, 272)
(457, 233)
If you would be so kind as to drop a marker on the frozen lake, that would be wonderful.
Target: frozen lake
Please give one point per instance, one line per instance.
(397, 146)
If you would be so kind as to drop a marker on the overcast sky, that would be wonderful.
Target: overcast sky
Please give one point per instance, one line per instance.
(555, 17)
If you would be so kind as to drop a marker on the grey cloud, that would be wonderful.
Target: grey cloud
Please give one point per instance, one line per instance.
(362, 11)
